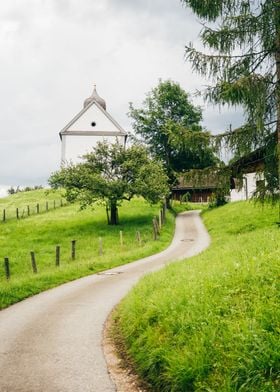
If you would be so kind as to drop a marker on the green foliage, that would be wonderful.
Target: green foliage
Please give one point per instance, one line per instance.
(111, 174)
(186, 197)
(246, 70)
(211, 323)
(170, 126)
(218, 199)
(41, 234)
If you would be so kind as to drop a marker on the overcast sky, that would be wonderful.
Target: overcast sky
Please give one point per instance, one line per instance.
(53, 51)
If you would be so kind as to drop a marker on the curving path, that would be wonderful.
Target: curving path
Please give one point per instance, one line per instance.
(52, 341)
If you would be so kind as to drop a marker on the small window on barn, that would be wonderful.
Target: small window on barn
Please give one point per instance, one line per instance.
(260, 185)
(93, 124)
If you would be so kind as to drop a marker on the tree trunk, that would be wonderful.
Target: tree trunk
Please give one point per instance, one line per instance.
(113, 213)
(277, 58)
(107, 214)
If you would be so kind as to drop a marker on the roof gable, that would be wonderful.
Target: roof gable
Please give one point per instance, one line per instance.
(93, 119)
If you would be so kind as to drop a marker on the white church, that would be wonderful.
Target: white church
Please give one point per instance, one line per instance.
(91, 125)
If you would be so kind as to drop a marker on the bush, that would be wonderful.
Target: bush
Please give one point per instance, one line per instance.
(217, 199)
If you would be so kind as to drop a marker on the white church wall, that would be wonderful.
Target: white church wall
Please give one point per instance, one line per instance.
(76, 146)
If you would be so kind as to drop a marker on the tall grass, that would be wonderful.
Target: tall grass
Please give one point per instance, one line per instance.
(212, 323)
(41, 234)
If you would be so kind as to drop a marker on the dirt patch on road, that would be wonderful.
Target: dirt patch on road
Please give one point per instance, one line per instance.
(120, 366)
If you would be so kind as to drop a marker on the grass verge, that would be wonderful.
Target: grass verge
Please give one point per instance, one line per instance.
(212, 323)
(41, 233)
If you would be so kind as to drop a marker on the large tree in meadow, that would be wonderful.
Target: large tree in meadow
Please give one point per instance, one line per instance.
(243, 58)
(169, 124)
(111, 174)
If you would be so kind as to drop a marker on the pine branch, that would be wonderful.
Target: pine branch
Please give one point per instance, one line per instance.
(223, 56)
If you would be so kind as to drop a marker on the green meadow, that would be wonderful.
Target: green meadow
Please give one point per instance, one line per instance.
(211, 323)
(43, 232)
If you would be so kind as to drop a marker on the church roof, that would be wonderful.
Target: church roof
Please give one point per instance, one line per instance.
(95, 97)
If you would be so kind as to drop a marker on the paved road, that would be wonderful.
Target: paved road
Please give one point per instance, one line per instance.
(52, 341)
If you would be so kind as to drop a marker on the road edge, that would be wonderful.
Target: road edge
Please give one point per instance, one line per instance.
(119, 364)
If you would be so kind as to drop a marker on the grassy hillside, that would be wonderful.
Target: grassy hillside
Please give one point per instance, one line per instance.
(41, 233)
(212, 323)
(21, 200)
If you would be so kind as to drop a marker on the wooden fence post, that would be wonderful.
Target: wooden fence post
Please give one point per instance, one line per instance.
(7, 268)
(157, 225)
(159, 220)
(33, 262)
(17, 213)
(54, 204)
(47, 206)
(4, 215)
(57, 255)
(164, 210)
(73, 249)
(38, 208)
(138, 237)
(155, 229)
(100, 247)
(28, 210)
(61, 203)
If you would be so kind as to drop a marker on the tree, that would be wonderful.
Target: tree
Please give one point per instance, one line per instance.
(169, 124)
(245, 36)
(111, 174)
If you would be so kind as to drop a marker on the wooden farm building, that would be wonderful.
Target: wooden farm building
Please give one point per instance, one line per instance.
(199, 187)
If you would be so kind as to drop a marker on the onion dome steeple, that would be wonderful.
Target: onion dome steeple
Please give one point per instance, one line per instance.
(95, 98)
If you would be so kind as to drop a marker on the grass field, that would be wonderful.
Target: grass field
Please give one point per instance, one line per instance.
(212, 323)
(41, 233)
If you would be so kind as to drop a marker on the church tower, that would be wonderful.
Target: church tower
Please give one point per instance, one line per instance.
(92, 124)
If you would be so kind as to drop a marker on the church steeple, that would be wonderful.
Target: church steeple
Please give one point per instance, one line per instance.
(95, 98)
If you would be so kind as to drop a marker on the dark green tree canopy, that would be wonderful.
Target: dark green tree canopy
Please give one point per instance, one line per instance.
(169, 124)
(245, 38)
(111, 174)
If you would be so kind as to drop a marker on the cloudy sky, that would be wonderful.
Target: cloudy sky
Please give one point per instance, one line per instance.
(53, 51)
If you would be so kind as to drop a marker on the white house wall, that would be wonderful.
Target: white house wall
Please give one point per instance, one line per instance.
(236, 195)
(248, 188)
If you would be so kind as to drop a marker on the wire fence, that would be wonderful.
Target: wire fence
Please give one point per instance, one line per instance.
(157, 223)
(31, 209)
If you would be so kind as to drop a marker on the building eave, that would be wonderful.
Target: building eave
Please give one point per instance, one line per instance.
(92, 133)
